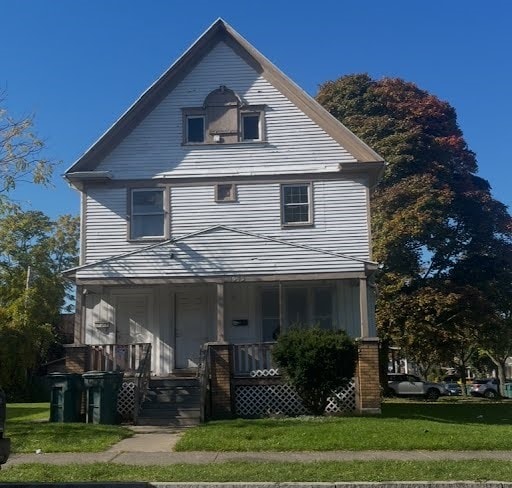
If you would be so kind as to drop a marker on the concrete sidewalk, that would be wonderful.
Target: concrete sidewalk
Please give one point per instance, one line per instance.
(155, 446)
(202, 457)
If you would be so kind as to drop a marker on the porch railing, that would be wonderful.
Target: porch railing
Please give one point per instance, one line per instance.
(117, 357)
(203, 374)
(142, 380)
(254, 357)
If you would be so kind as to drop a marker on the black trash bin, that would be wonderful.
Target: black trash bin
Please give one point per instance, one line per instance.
(102, 388)
(5, 443)
(65, 397)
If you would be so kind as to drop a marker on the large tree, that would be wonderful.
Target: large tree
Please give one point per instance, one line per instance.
(433, 217)
(34, 250)
(21, 153)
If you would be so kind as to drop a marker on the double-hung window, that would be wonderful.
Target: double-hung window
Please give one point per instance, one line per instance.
(147, 219)
(296, 204)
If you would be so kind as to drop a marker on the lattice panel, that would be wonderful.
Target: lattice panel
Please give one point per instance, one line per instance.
(343, 401)
(126, 400)
(258, 373)
(265, 400)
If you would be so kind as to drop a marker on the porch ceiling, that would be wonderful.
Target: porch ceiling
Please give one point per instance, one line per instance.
(221, 252)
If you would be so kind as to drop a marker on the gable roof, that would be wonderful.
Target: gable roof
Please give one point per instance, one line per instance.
(220, 251)
(220, 31)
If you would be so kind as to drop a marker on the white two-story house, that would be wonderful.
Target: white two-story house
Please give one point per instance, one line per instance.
(225, 205)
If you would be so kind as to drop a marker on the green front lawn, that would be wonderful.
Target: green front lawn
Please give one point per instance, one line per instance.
(29, 430)
(266, 472)
(403, 425)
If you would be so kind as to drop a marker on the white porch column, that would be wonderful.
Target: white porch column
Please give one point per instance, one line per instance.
(363, 307)
(220, 312)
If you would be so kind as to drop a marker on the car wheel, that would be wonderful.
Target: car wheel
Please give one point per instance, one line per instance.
(432, 394)
(490, 394)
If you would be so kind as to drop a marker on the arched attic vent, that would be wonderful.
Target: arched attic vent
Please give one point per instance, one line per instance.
(222, 97)
(221, 107)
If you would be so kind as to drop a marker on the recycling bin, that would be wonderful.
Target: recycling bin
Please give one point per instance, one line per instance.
(65, 397)
(102, 388)
(508, 390)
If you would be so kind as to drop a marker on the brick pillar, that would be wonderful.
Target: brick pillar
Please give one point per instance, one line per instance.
(221, 360)
(77, 358)
(368, 394)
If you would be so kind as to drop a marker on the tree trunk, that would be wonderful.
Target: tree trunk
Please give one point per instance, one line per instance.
(500, 366)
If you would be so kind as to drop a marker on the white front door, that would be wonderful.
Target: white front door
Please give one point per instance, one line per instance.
(191, 327)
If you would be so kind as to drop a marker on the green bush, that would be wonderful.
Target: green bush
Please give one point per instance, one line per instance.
(316, 362)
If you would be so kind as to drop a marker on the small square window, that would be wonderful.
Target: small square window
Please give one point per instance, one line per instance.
(147, 214)
(251, 127)
(225, 192)
(296, 207)
(195, 128)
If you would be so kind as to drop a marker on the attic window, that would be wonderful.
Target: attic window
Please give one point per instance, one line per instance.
(223, 119)
(195, 128)
(251, 126)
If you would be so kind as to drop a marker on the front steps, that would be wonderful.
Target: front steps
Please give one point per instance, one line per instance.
(172, 402)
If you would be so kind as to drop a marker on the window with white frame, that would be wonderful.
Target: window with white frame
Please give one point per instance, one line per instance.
(303, 306)
(309, 306)
(296, 204)
(147, 213)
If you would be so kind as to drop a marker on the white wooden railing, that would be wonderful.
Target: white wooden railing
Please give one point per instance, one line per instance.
(117, 357)
(249, 358)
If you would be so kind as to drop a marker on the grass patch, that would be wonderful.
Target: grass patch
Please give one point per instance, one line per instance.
(270, 472)
(28, 427)
(25, 412)
(402, 426)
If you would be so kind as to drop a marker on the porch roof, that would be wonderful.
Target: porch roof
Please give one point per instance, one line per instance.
(217, 253)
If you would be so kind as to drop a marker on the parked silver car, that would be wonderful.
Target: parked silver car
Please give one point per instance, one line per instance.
(411, 385)
(488, 388)
(452, 388)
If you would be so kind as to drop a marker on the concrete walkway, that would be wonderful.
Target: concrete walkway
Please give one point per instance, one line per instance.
(148, 457)
(154, 446)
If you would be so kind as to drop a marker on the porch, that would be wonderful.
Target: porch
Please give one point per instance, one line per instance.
(227, 288)
(178, 318)
(232, 380)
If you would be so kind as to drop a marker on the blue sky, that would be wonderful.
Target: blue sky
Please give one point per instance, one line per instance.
(77, 65)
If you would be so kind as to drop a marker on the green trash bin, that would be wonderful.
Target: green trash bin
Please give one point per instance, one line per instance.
(102, 388)
(508, 390)
(65, 397)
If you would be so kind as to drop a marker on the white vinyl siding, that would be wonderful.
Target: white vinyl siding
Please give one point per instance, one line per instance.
(340, 219)
(219, 252)
(154, 148)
